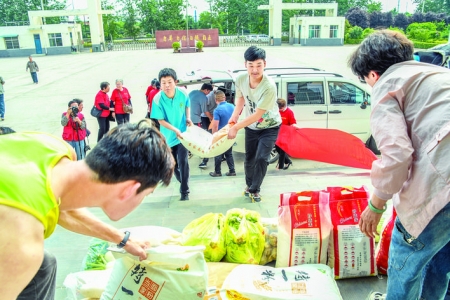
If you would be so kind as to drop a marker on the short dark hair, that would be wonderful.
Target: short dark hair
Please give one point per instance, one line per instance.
(157, 85)
(154, 81)
(379, 51)
(79, 101)
(72, 102)
(206, 86)
(132, 152)
(167, 72)
(104, 85)
(254, 53)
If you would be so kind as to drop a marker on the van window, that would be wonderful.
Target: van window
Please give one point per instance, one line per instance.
(345, 93)
(305, 93)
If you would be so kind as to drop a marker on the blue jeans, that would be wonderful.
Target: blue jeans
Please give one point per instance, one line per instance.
(34, 77)
(180, 154)
(79, 148)
(2, 105)
(258, 145)
(420, 268)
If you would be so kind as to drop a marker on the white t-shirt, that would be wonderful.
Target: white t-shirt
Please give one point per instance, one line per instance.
(264, 97)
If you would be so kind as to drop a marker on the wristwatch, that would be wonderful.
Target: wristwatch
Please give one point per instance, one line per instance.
(124, 241)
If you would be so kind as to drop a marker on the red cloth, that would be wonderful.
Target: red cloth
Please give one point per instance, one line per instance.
(117, 97)
(287, 117)
(325, 145)
(147, 93)
(102, 97)
(150, 99)
(70, 132)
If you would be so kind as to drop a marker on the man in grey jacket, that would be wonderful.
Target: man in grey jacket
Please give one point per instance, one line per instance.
(410, 122)
(32, 65)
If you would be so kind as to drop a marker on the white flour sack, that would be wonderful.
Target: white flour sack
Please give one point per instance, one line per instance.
(304, 228)
(352, 254)
(204, 144)
(170, 272)
(305, 282)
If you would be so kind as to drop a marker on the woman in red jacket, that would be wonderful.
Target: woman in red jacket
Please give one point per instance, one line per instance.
(102, 103)
(287, 118)
(120, 97)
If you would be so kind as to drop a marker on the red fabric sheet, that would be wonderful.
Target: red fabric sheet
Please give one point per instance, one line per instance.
(325, 145)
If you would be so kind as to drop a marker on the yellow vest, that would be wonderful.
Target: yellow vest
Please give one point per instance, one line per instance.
(26, 163)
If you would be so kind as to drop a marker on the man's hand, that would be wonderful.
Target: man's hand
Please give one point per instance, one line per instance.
(232, 132)
(233, 119)
(369, 221)
(178, 133)
(137, 248)
(189, 122)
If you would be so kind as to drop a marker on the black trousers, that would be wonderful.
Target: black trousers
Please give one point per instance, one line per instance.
(43, 284)
(258, 145)
(229, 158)
(283, 158)
(180, 154)
(205, 125)
(103, 127)
(122, 118)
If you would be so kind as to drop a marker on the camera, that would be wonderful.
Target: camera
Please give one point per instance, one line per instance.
(75, 111)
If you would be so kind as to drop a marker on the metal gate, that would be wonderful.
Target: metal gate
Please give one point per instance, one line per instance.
(126, 45)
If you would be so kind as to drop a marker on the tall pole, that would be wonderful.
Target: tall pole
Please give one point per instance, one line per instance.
(187, 25)
(398, 6)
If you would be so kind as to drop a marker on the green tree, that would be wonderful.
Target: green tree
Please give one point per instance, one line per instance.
(435, 6)
(130, 18)
(421, 31)
(110, 22)
(151, 17)
(373, 6)
(17, 11)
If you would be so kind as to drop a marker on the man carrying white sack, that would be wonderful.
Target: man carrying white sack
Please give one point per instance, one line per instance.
(262, 119)
(42, 184)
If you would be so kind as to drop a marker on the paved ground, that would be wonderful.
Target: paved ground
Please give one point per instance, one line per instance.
(62, 78)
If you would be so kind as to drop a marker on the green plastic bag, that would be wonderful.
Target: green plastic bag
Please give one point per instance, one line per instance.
(244, 236)
(95, 257)
(207, 231)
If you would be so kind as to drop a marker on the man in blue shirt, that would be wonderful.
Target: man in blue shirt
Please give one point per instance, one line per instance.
(198, 108)
(171, 107)
(222, 114)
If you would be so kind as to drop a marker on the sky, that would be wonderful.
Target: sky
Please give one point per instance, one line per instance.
(201, 5)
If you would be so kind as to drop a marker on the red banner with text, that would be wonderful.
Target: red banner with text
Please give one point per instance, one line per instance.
(165, 38)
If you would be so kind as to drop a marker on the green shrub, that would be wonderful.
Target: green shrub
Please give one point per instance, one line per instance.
(367, 32)
(426, 45)
(199, 45)
(353, 41)
(285, 39)
(176, 46)
(355, 32)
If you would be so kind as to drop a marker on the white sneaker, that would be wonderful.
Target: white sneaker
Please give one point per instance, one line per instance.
(376, 296)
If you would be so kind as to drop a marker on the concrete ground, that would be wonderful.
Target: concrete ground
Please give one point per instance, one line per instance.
(38, 107)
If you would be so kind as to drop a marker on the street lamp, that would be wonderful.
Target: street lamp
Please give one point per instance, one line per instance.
(187, 25)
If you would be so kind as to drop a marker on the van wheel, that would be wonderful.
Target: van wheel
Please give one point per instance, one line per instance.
(273, 155)
(372, 145)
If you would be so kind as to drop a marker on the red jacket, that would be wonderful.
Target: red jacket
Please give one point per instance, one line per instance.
(117, 97)
(102, 97)
(70, 130)
(287, 117)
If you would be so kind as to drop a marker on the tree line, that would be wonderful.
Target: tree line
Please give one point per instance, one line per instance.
(135, 18)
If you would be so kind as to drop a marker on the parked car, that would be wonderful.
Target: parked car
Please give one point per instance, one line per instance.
(318, 98)
(260, 38)
(437, 55)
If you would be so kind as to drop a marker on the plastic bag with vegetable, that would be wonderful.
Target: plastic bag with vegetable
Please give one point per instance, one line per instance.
(206, 231)
(244, 236)
(270, 226)
(97, 256)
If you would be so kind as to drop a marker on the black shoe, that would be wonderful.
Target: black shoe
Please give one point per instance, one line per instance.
(287, 165)
(214, 174)
(184, 197)
(202, 165)
(230, 173)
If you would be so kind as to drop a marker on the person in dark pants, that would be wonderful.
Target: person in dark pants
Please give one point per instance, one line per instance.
(287, 118)
(262, 120)
(102, 103)
(171, 107)
(222, 114)
(32, 65)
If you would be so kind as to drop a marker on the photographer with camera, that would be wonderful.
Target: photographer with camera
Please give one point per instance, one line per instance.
(74, 130)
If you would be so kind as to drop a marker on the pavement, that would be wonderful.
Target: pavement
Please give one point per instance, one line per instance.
(38, 107)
